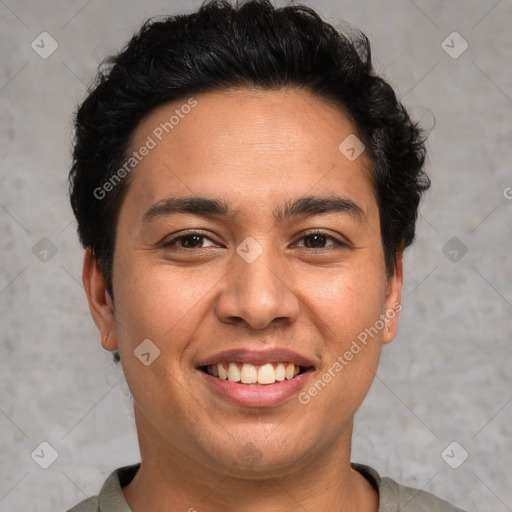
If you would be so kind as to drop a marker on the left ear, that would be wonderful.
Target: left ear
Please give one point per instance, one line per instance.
(393, 297)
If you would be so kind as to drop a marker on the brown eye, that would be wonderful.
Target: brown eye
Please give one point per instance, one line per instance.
(315, 241)
(188, 241)
(320, 241)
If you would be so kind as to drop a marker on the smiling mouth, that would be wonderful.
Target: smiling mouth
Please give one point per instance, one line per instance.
(246, 373)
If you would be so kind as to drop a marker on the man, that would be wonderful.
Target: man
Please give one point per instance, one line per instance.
(245, 187)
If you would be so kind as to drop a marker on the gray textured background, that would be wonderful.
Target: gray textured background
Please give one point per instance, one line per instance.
(447, 376)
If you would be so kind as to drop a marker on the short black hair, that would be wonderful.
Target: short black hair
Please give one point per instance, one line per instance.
(247, 44)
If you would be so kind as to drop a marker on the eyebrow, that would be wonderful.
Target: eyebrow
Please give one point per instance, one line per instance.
(306, 206)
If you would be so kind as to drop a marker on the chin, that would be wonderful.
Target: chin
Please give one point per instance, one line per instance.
(250, 460)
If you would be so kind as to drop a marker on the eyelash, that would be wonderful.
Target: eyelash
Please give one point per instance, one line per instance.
(336, 245)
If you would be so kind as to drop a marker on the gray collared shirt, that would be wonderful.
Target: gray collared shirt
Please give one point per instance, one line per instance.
(393, 497)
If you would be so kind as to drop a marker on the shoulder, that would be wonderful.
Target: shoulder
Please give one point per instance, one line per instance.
(110, 498)
(405, 499)
(88, 505)
(395, 497)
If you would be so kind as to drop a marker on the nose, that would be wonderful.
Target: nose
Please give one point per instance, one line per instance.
(258, 293)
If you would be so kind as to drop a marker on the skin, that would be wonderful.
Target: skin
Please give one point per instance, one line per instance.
(255, 150)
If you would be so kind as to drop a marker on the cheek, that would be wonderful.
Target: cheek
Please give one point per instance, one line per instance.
(348, 306)
(350, 310)
(158, 301)
(347, 301)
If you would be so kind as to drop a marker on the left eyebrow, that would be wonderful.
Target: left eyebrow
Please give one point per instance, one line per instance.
(309, 206)
(306, 206)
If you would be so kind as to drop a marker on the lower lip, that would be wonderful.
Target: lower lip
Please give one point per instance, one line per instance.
(257, 395)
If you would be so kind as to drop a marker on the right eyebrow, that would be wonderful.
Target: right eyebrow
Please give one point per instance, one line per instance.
(203, 206)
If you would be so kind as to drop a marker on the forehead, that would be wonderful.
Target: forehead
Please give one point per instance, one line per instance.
(253, 144)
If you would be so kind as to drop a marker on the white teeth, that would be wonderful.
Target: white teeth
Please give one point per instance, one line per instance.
(266, 374)
(247, 373)
(290, 368)
(223, 374)
(234, 373)
(280, 372)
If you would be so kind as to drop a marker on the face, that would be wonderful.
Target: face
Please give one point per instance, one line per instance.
(277, 275)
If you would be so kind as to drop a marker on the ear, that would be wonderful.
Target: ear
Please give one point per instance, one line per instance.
(100, 303)
(393, 297)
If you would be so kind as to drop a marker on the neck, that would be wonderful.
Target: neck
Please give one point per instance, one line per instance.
(170, 476)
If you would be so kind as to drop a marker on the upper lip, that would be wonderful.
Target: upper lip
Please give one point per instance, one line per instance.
(257, 357)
